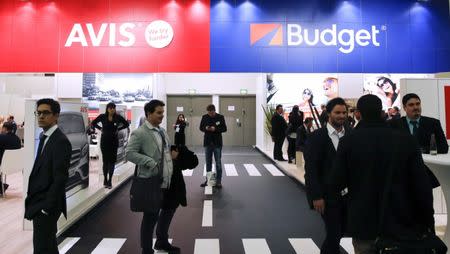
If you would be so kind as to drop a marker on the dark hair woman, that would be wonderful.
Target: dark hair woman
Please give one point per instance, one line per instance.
(295, 121)
(179, 126)
(111, 124)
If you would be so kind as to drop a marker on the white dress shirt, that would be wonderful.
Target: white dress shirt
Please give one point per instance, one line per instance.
(335, 135)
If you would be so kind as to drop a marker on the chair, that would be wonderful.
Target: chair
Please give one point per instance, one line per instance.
(12, 162)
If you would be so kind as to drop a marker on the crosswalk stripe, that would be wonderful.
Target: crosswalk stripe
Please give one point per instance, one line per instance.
(304, 246)
(207, 220)
(161, 252)
(109, 246)
(252, 170)
(213, 169)
(208, 190)
(68, 243)
(347, 244)
(207, 246)
(273, 170)
(188, 172)
(256, 246)
(230, 170)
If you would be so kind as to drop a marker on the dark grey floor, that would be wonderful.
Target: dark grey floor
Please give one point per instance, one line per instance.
(267, 207)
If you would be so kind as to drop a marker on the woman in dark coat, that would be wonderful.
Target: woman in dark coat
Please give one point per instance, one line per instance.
(179, 126)
(295, 121)
(111, 124)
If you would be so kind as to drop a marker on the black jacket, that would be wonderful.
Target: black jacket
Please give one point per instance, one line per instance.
(213, 138)
(8, 141)
(279, 126)
(295, 121)
(427, 126)
(319, 157)
(47, 182)
(362, 162)
(176, 195)
(302, 136)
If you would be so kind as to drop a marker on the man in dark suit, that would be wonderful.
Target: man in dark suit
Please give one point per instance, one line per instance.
(421, 127)
(8, 141)
(46, 196)
(13, 123)
(213, 125)
(302, 134)
(320, 152)
(278, 134)
(364, 159)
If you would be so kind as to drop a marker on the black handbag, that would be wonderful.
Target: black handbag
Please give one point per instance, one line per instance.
(146, 194)
(425, 243)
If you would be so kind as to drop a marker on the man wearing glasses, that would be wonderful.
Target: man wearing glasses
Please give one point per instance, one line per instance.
(46, 196)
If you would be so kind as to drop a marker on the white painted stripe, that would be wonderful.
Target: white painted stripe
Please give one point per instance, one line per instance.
(252, 170)
(68, 243)
(213, 169)
(273, 170)
(208, 190)
(207, 220)
(207, 246)
(161, 252)
(230, 170)
(188, 172)
(256, 246)
(109, 246)
(304, 246)
(347, 244)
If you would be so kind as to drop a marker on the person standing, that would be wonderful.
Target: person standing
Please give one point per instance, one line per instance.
(303, 133)
(364, 160)
(319, 155)
(279, 127)
(111, 124)
(295, 121)
(46, 195)
(149, 149)
(13, 123)
(179, 126)
(8, 141)
(213, 125)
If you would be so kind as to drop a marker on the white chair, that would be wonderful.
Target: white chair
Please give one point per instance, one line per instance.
(12, 162)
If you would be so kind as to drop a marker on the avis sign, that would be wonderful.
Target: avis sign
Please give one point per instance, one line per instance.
(158, 34)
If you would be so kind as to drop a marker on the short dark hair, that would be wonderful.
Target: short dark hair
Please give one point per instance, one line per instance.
(370, 107)
(11, 117)
(211, 107)
(409, 96)
(150, 106)
(278, 106)
(396, 108)
(334, 102)
(54, 105)
(8, 126)
(308, 120)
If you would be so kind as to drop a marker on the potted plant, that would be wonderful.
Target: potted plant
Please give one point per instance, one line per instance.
(269, 111)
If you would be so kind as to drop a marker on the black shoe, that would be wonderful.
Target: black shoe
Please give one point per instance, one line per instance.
(218, 186)
(204, 184)
(166, 247)
(282, 159)
(290, 161)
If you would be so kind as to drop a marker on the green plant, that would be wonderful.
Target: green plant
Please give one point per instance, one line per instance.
(269, 111)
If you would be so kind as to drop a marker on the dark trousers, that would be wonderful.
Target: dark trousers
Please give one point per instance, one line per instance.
(291, 148)
(164, 218)
(334, 226)
(44, 234)
(108, 170)
(277, 148)
(217, 152)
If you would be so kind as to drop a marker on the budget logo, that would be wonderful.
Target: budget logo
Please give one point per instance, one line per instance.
(264, 32)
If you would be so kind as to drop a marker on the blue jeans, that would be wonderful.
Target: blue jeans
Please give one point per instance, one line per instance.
(217, 151)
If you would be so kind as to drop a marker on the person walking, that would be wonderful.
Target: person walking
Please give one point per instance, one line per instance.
(179, 127)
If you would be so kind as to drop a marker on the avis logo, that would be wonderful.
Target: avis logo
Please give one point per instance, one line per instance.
(264, 32)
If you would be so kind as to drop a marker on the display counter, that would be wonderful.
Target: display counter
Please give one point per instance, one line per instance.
(440, 165)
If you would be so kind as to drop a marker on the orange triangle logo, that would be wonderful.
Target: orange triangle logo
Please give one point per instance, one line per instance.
(259, 31)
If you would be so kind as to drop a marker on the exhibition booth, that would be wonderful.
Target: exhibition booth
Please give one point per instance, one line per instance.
(243, 56)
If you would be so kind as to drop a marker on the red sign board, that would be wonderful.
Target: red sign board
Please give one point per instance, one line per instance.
(104, 36)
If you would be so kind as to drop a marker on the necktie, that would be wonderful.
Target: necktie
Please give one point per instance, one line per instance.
(163, 139)
(414, 124)
(40, 147)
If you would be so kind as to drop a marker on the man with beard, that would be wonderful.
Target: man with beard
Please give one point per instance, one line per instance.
(421, 127)
(320, 152)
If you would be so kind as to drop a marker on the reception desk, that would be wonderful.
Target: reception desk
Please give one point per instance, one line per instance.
(440, 165)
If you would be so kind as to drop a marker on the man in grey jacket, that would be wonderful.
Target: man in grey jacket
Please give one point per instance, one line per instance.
(149, 149)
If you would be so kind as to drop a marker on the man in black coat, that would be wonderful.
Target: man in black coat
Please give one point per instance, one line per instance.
(213, 125)
(46, 196)
(8, 141)
(278, 134)
(421, 127)
(320, 152)
(302, 134)
(364, 159)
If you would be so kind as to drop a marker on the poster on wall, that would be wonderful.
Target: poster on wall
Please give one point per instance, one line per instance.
(73, 122)
(308, 91)
(130, 89)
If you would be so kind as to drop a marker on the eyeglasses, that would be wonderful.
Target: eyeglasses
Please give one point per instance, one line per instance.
(42, 113)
